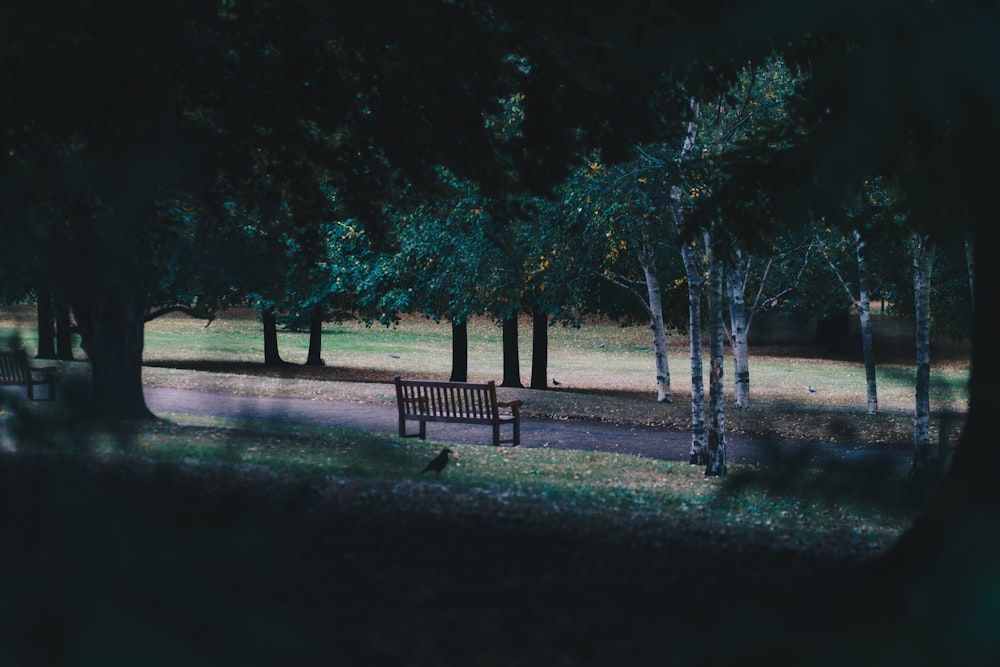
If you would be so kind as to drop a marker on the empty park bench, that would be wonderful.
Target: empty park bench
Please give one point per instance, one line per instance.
(16, 371)
(456, 402)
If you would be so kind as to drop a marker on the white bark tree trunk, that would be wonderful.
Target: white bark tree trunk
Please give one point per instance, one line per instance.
(862, 306)
(923, 262)
(692, 269)
(715, 466)
(739, 333)
(663, 394)
(699, 436)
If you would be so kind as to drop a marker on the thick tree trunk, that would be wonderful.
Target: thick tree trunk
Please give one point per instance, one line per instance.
(715, 466)
(112, 322)
(315, 355)
(511, 358)
(46, 330)
(539, 350)
(459, 351)
(663, 394)
(271, 355)
(64, 326)
(923, 261)
(739, 333)
(865, 320)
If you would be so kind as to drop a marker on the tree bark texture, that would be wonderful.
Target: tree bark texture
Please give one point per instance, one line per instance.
(862, 306)
(112, 321)
(315, 355)
(699, 436)
(865, 321)
(970, 265)
(715, 466)
(539, 350)
(271, 354)
(64, 327)
(46, 331)
(692, 269)
(511, 358)
(923, 262)
(663, 394)
(459, 351)
(739, 333)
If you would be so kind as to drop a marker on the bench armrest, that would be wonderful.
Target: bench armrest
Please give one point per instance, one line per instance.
(515, 406)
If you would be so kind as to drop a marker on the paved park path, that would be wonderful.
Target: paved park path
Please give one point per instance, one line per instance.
(658, 443)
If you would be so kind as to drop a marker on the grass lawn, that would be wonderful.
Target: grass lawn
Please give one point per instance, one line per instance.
(196, 541)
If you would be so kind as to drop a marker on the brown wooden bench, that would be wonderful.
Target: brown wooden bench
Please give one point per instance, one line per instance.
(15, 370)
(456, 402)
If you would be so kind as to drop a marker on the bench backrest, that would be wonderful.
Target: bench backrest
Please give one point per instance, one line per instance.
(14, 366)
(447, 399)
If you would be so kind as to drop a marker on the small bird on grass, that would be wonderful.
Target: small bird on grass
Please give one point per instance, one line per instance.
(556, 382)
(811, 390)
(438, 463)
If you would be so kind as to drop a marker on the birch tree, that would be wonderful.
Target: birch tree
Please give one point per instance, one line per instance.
(695, 277)
(741, 120)
(862, 306)
(789, 267)
(620, 205)
(715, 464)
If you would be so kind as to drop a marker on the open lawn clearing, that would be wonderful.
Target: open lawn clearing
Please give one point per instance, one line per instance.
(605, 372)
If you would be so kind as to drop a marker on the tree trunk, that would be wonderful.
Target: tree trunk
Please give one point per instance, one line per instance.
(112, 322)
(715, 466)
(46, 331)
(271, 355)
(539, 350)
(865, 321)
(699, 436)
(511, 359)
(656, 324)
(950, 558)
(314, 357)
(699, 439)
(739, 333)
(923, 261)
(970, 265)
(459, 351)
(64, 325)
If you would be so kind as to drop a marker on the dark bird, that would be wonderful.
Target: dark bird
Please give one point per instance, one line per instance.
(438, 463)
(811, 390)
(394, 356)
(556, 382)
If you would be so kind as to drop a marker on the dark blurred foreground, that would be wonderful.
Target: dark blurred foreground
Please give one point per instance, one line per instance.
(131, 562)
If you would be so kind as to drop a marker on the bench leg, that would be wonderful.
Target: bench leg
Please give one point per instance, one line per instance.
(517, 432)
(496, 434)
(421, 433)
